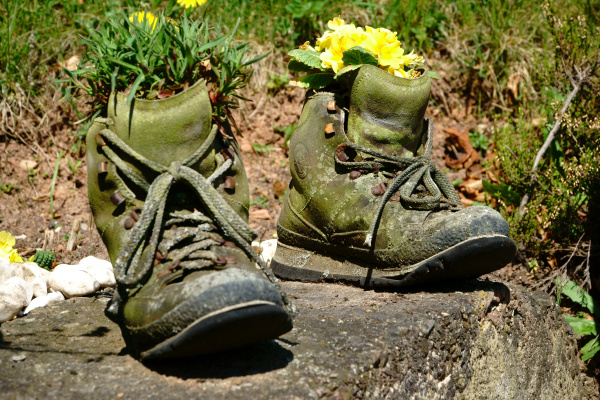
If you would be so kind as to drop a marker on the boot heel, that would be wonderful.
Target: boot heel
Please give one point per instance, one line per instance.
(296, 264)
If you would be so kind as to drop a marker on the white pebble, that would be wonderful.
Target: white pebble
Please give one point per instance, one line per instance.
(268, 248)
(91, 260)
(43, 301)
(32, 273)
(101, 270)
(15, 294)
(71, 281)
(6, 271)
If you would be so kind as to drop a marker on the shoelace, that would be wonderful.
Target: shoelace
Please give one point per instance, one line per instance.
(151, 219)
(414, 170)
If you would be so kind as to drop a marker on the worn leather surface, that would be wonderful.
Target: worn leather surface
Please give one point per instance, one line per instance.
(169, 131)
(164, 131)
(328, 211)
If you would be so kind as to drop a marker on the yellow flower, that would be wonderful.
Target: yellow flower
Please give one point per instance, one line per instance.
(7, 241)
(332, 56)
(144, 17)
(191, 3)
(335, 23)
(377, 38)
(391, 55)
(324, 41)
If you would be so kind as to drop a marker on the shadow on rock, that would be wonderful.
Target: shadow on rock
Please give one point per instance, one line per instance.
(469, 286)
(251, 360)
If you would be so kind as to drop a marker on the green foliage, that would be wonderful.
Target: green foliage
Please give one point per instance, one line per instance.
(287, 132)
(158, 57)
(303, 59)
(262, 148)
(358, 56)
(479, 142)
(262, 201)
(277, 82)
(581, 326)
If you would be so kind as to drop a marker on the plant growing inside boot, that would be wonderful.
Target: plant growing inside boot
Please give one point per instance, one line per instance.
(345, 48)
(152, 56)
(366, 204)
(168, 190)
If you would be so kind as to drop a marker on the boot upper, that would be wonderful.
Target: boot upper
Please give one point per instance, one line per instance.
(332, 205)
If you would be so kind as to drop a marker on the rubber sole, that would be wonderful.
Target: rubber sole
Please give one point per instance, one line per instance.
(228, 328)
(469, 259)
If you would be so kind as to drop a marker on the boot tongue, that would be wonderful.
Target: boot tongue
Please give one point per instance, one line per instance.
(386, 112)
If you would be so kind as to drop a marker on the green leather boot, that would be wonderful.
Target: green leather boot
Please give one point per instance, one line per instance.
(366, 204)
(169, 196)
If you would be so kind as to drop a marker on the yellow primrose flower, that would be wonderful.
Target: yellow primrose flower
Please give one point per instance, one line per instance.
(398, 72)
(324, 41)
(351, 32)
(391, 55)
(191, 3)
(143, 16)
(335, 24)
(7, 241)
(332, 56)
(413, 59)
(376, 39)
(386, 35)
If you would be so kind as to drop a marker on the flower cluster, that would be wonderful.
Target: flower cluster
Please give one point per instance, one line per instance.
(144, 18)
(382, 43)
(7, 241)
(191, 3)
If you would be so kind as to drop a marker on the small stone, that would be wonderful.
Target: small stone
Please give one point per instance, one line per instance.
(91, 260)
(27, 164)
(6, 270)
(267, 249)
(15, 294)
(18, 357)
(36, 276)
(71, 281)
(43, 301)
(100, 270)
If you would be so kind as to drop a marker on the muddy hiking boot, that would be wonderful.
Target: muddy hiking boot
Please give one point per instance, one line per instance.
(169, 196)
(367, 205)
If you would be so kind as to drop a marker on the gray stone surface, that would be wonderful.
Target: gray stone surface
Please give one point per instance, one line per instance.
(483, 340)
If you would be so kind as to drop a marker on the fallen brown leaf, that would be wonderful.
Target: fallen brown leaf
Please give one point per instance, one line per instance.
(260, 214)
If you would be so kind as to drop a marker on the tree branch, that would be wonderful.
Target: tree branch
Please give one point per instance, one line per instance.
(582, 76)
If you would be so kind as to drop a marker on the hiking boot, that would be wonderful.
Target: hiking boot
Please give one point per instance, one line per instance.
(366, 204)
(169, 196)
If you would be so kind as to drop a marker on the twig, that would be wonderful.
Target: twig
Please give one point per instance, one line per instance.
(586, 273)
(53, 184)
(261, 103)
(582, 76)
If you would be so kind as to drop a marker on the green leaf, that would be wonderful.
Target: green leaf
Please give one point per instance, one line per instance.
(504, 192)
(315, 81)
(307, 57)
(295, 65)
(578, 295)
(358, 56)
(590, 349)
(347, 68)
(433, 75)
(582, 326)
(134, 87)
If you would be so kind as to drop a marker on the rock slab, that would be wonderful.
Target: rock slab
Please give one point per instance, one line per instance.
(483, 340)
